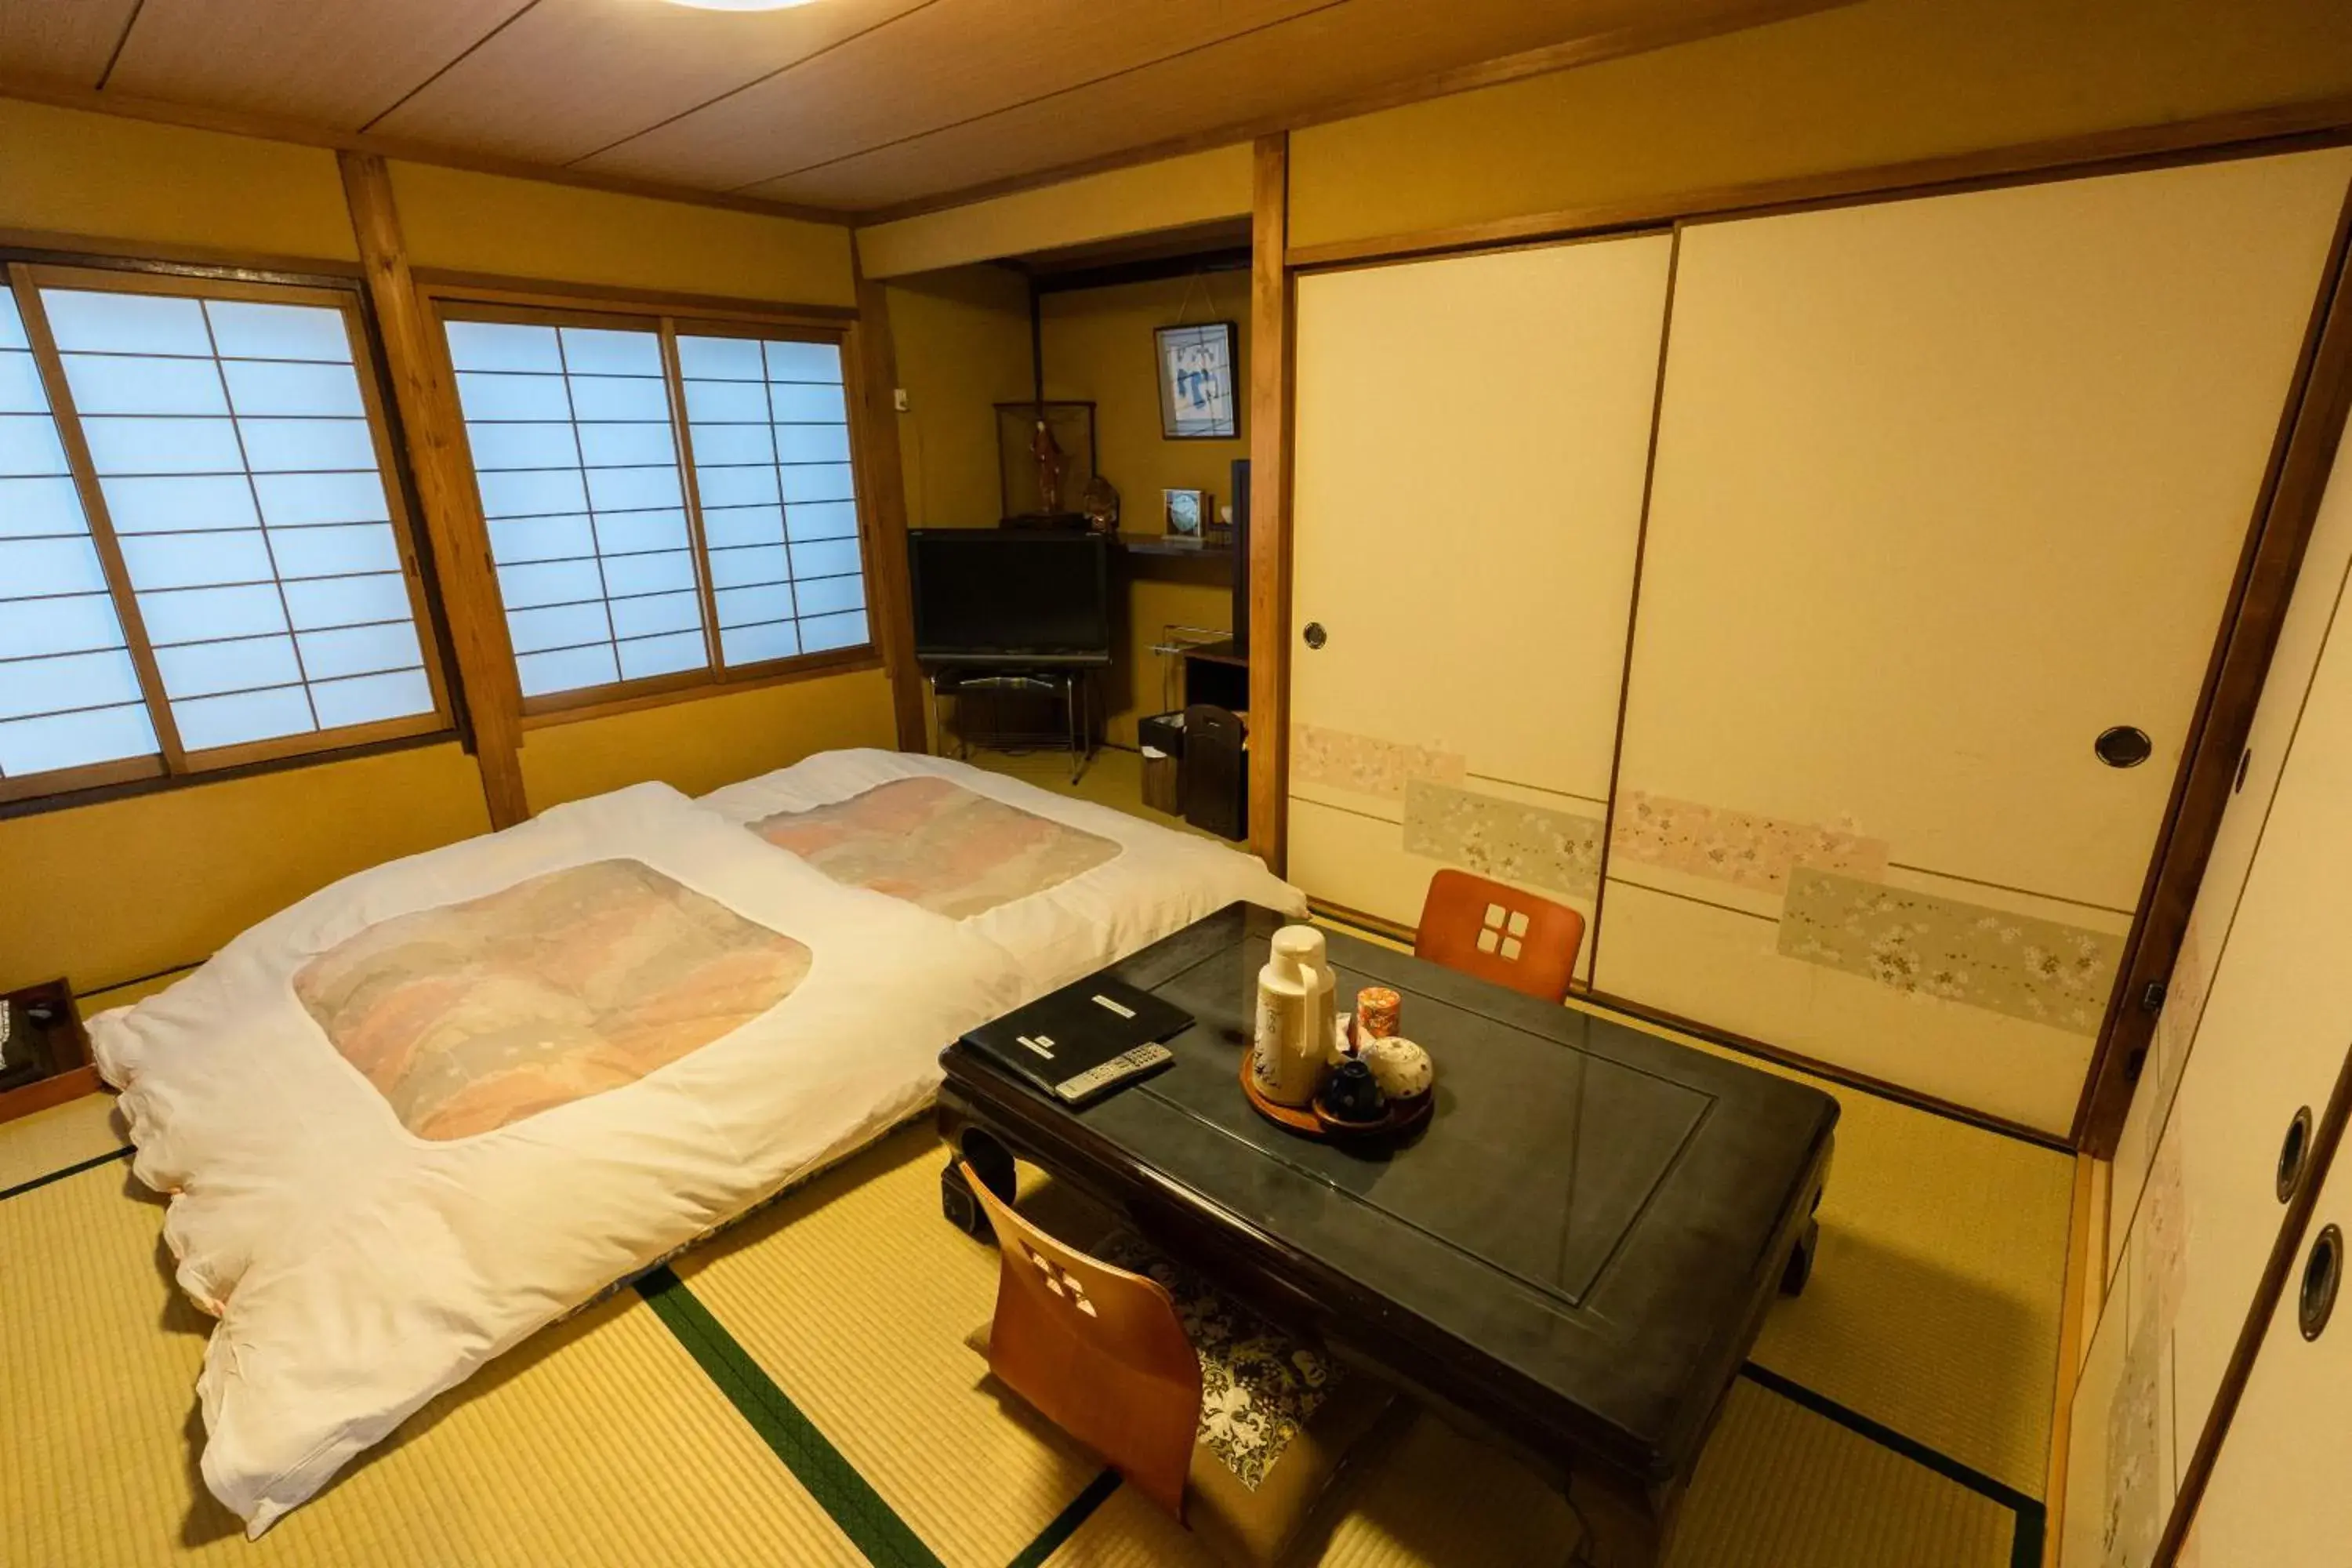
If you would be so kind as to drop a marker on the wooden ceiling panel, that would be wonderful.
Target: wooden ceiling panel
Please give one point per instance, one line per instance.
(66, 40)
(1321, 59)
(951, 61)
(336, 64)
(569, 78)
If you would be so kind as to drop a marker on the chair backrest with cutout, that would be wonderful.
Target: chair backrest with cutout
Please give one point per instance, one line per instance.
(1500, 934)
(1097, 1351)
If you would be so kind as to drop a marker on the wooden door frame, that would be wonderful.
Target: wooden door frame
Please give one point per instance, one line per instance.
(2294, 479)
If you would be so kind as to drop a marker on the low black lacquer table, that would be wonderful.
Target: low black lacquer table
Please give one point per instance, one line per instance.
(1573, 1255)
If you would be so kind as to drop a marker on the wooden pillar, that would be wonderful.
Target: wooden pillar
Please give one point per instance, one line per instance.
(887, 592)
(433, 433)
(1269, 521)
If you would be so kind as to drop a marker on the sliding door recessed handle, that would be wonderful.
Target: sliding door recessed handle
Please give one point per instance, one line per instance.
(2124, 746)
(2293, 1150)
(1315, 635)
(2322, 1272)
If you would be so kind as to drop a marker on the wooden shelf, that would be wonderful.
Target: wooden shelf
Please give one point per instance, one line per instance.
(1216, 653)
(1171, 545)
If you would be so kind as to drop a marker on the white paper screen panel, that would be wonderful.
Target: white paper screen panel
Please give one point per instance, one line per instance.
(577, 467)
(232, 443)
(1943, 488)
(770, 427)
(1470, 440)
(68, 693)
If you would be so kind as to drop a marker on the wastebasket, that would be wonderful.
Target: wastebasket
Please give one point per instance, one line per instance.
(1161, 737)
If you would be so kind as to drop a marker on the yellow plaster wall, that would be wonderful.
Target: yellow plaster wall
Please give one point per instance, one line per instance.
(106, 893)
(63, 171)
(699, 745)
(468, 222)
(1195, 188)
(1880, 82)
(158, 880)
(1098, 346)
(962, 337)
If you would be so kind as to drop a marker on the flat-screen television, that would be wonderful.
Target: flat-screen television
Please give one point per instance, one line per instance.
(1010, 596)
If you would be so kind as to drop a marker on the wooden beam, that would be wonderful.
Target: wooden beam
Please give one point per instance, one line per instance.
(2303, 456)
(2079, 1309)
(1271, 356)
(1635, 38)
(889, 591)
(2288, 128)
(301, 133)
(433, 433)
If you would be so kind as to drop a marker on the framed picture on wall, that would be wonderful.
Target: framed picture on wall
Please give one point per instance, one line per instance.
(1198, 395)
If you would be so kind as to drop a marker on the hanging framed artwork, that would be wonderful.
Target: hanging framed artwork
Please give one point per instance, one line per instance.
(1198, 394)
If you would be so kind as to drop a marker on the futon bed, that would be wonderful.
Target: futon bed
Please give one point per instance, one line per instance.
(440, 1104)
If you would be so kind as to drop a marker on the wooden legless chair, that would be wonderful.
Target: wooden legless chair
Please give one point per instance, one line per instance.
(1097, 1351)
(1500, 934)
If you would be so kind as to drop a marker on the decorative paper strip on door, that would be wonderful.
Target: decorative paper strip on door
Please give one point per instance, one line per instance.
(1505, 839)
(1737, 846)
(1366, 764)
(2042, 971)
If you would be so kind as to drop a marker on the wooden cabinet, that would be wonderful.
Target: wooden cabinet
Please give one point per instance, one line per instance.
(1944, 488)
(1470, 440)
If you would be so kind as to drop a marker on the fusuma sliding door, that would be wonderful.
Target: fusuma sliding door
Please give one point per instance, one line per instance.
(2255, 1022)
(1470, 440)
(1945, 490)
(2266, 1036)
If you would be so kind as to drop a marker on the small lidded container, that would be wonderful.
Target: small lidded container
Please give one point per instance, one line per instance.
(1378, 1009)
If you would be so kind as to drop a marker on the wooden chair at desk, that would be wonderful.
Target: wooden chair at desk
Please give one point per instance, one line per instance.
(1101, 1352)
(1498, 932)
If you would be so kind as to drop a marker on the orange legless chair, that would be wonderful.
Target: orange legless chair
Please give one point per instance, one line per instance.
(1097, 1351)
(1500, 934)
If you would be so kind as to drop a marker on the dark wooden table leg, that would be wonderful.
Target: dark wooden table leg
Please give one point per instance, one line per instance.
(1624, 1528)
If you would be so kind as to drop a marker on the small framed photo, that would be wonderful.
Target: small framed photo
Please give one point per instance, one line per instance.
(1187, 513)
(1198, 396)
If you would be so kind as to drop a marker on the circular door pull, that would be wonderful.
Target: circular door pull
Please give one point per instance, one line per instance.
(2291, 1153)
(1316, 635)
(2125, 746)
(2322, 1272)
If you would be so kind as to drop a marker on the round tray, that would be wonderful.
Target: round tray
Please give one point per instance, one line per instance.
(1309, 1122)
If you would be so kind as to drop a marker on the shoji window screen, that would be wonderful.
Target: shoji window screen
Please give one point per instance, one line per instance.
(578, 469)
(202, 563)
(769, 425)
(667, 504)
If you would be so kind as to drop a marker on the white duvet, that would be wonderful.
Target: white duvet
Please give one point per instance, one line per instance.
(365, 1247)
(358, 1270)
(1158, 883)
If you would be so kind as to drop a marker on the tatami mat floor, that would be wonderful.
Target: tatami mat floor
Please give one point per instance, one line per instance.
(798, 1392)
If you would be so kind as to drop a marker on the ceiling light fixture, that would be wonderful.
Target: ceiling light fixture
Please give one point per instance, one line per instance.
(741, 5)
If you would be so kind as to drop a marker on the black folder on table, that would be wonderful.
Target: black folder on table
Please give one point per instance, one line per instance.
(1085, 1040)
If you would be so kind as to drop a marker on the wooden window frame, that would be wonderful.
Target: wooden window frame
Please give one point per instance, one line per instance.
(464, 300)
(25, 272)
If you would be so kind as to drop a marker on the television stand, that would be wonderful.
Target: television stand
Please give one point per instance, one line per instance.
(987, 687)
